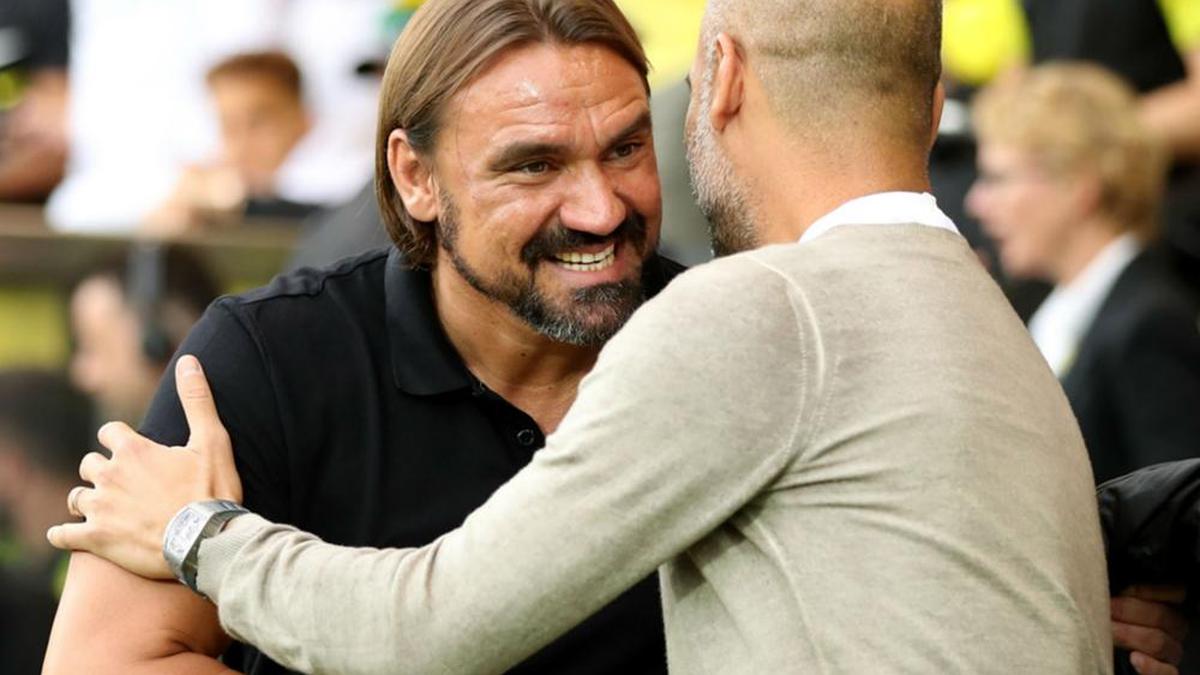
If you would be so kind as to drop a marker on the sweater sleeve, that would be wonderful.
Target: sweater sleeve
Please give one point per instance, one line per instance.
(690, 412)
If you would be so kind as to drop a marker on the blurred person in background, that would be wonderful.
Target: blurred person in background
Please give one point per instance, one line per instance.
(1153, 44)
(258, 98)
(139, 112)
(1155, 47)
(33, 97)
(1070, 187)
(127, 318)
(45, 429)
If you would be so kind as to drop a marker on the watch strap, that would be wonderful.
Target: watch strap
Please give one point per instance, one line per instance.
(193, 524)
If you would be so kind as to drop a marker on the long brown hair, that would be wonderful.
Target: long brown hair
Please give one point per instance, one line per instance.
(444, 47)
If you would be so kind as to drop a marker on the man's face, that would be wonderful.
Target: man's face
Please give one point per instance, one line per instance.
(548, 188)
(261, 122)
(718, 191)
(108, 363)
(1025, 209)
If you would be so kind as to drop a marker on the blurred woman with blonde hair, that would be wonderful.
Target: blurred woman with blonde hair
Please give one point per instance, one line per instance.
(1070, 187)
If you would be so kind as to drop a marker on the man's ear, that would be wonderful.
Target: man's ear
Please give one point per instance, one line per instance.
(413, 180)
(728, 89)
(939, 104)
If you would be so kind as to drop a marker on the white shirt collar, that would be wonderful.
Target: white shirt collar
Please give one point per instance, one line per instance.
(1060, 323)
(884, 208)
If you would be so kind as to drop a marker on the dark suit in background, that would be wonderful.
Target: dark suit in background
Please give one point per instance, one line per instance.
(1135, 381)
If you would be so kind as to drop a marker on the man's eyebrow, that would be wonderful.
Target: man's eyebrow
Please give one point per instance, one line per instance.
(520, 151)
(688, 79)
(641, 124)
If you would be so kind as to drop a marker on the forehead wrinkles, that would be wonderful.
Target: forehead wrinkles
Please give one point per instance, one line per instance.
(560, 91)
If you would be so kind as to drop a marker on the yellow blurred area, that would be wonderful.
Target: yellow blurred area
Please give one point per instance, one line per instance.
(669, 30)
(984, 37)
(32, 327)
(1183, 16)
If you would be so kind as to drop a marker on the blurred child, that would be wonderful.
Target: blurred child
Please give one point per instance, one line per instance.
(259, 102)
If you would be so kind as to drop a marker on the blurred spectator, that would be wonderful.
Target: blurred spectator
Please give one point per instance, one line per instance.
(259, 102)
(139, 111)
(46, 427)
(33, 97)
(1070, 187)
(1134, 40)
(128, 317)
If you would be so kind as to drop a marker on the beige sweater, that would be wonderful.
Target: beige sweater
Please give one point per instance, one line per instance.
(843, 456)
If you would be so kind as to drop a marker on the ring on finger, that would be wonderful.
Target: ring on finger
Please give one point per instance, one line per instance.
(73, 501)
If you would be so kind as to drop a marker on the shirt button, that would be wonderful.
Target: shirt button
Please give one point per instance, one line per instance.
(527, 437)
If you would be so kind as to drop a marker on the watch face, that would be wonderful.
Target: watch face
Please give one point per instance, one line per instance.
(182, 532)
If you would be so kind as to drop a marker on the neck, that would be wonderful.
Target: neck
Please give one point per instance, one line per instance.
(791, 195)
(529, 370)
(1087, 242)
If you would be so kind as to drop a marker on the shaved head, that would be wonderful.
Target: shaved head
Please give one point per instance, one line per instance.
(840, 66)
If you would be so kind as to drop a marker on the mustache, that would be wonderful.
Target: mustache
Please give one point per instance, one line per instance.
(557, 239)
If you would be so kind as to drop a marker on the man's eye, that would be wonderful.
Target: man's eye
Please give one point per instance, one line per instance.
(626, 150)
(534, 168)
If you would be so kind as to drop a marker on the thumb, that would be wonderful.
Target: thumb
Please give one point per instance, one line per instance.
(197, 400)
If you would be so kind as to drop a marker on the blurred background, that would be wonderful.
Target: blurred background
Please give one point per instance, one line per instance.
(157, 153)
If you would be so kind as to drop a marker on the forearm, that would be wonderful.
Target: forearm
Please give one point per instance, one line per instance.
(110, 621)
(647, 462)
(1174, 112)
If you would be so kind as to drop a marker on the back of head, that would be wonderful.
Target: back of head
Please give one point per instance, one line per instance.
(443, 48)
(46, 420)
(832, 68)
(1077, 117)
(274, 67)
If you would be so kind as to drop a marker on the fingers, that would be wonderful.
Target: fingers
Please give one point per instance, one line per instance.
(1169, 594)
(73, 496)
(1149, 641)
(92, 466)
(1150, 614)
(197, 400)
(70, 537)
(1145, 665)
(119, 438)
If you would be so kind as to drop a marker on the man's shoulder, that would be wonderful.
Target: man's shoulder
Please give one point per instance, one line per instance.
(296, 310)
(359, 273)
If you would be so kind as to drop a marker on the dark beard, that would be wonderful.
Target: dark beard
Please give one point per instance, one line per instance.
(593, 315)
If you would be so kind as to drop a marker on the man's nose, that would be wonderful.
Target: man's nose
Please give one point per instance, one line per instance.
(593, 204)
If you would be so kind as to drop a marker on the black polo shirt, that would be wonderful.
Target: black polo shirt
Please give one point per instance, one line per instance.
(354, 418)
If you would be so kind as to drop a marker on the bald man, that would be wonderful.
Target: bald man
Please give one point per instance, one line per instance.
(838, 445)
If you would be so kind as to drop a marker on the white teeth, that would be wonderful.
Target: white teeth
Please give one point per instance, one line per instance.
(588, 262)
(590, 267)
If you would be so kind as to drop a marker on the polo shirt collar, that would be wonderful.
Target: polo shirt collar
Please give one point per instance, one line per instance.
(424, 362)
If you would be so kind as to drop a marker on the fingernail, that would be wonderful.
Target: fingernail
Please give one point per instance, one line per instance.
(188, 365)
(50, 534)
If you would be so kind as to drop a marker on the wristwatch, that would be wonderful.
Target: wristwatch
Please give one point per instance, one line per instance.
(193, 524)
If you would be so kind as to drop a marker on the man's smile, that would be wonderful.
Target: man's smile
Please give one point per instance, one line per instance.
(579, 261)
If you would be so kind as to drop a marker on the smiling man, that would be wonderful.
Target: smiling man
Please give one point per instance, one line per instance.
(839, 446)
(380, 401)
